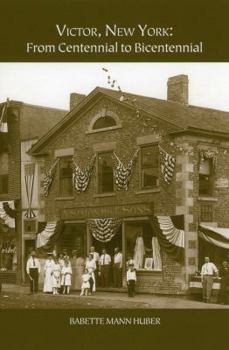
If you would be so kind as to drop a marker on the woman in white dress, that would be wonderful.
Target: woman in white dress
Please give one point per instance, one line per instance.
(66, 277)
(56, 277)
(48, 269)
(77, 262)
(139, 252)
(91, 267)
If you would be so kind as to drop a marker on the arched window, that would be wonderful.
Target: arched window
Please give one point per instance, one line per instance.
(104, 122)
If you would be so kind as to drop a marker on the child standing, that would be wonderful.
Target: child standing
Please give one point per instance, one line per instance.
(85, 287)
(131, 280)
(66, 277)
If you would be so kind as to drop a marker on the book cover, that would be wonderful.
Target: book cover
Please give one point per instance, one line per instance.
(114, 228)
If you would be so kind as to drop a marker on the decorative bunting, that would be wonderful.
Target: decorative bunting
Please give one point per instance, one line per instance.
(81, 178)
(49, 175)
(8, 213)
(114, 83)
(207, 154)
(47, 238)
(170, 237)
(104, 230)
(168, 163)
(3, 117)
(215, 235)
(122, 173)
(29, 182)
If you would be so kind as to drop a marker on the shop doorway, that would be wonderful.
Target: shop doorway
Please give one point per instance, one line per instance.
(217, 255)
(115, 242)
(73, 238)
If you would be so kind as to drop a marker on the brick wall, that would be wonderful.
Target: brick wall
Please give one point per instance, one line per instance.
(171, 279)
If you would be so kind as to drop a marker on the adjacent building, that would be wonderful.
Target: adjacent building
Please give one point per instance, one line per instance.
(21, 126)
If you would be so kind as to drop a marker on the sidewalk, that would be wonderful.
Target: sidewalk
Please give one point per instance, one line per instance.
(18, 297)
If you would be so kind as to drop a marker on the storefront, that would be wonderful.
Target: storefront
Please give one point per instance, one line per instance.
(137, 237)
(8, 250)
(213, 243)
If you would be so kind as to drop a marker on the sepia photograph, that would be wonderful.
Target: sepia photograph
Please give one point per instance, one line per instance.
(114, 186)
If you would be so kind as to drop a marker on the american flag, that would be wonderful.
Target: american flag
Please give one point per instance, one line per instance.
(48, 178)
(167, 165)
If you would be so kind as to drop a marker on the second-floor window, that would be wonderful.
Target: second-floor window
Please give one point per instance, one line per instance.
(65, 177)
(105, 173)
(4, 170)
(149, 166)
(206, 177)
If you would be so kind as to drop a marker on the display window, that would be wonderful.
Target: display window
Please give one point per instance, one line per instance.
(142, 247)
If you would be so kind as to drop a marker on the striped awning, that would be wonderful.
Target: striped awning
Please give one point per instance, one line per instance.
(47, 238)
(7, 213)
(170, 233)
(217, 236)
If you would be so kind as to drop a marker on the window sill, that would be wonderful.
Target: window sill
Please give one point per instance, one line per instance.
(150, 272)
(104, 129)
(65, 198)
(101, 195)
(152, 190)
(207, 199)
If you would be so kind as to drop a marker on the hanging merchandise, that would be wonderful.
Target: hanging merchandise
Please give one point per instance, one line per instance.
(29, 182)
(168, 163)
(170, 233)
(49, 175)
(81, 178)
(139, 252)
(8, 213)
(104, 230)
(48, 237)
(206, 154)
(122, 173)
(156, 254)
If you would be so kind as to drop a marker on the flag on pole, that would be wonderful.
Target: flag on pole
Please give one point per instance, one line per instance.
(3, 118)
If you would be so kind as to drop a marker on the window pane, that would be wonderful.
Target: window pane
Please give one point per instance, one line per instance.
(205, 184)
(149, 178)
(104, 122)
(4, 163)
(105, 171)
(205, 167)
(150, 166)
(139, 246)
(66, 186)
(29, 226)
(3, 184)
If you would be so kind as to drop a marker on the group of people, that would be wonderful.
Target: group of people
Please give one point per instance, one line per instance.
(57, 273)
(208, 271)
(62, 272)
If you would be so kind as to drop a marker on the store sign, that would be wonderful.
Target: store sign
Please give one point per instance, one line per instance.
(131, 210)
(222, 183)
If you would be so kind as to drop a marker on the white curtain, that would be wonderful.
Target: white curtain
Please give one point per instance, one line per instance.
(156, 254)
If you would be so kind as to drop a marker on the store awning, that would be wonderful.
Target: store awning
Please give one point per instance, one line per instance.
(217, 236)
(7, 213)
(48, 237)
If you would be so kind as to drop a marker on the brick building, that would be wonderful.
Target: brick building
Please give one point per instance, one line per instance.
(139, 164)
(23, 124)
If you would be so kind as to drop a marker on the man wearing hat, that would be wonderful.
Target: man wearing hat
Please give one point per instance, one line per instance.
(33, 269)
(131, 279)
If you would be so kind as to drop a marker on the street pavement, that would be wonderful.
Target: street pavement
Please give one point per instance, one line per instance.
(18, 297)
